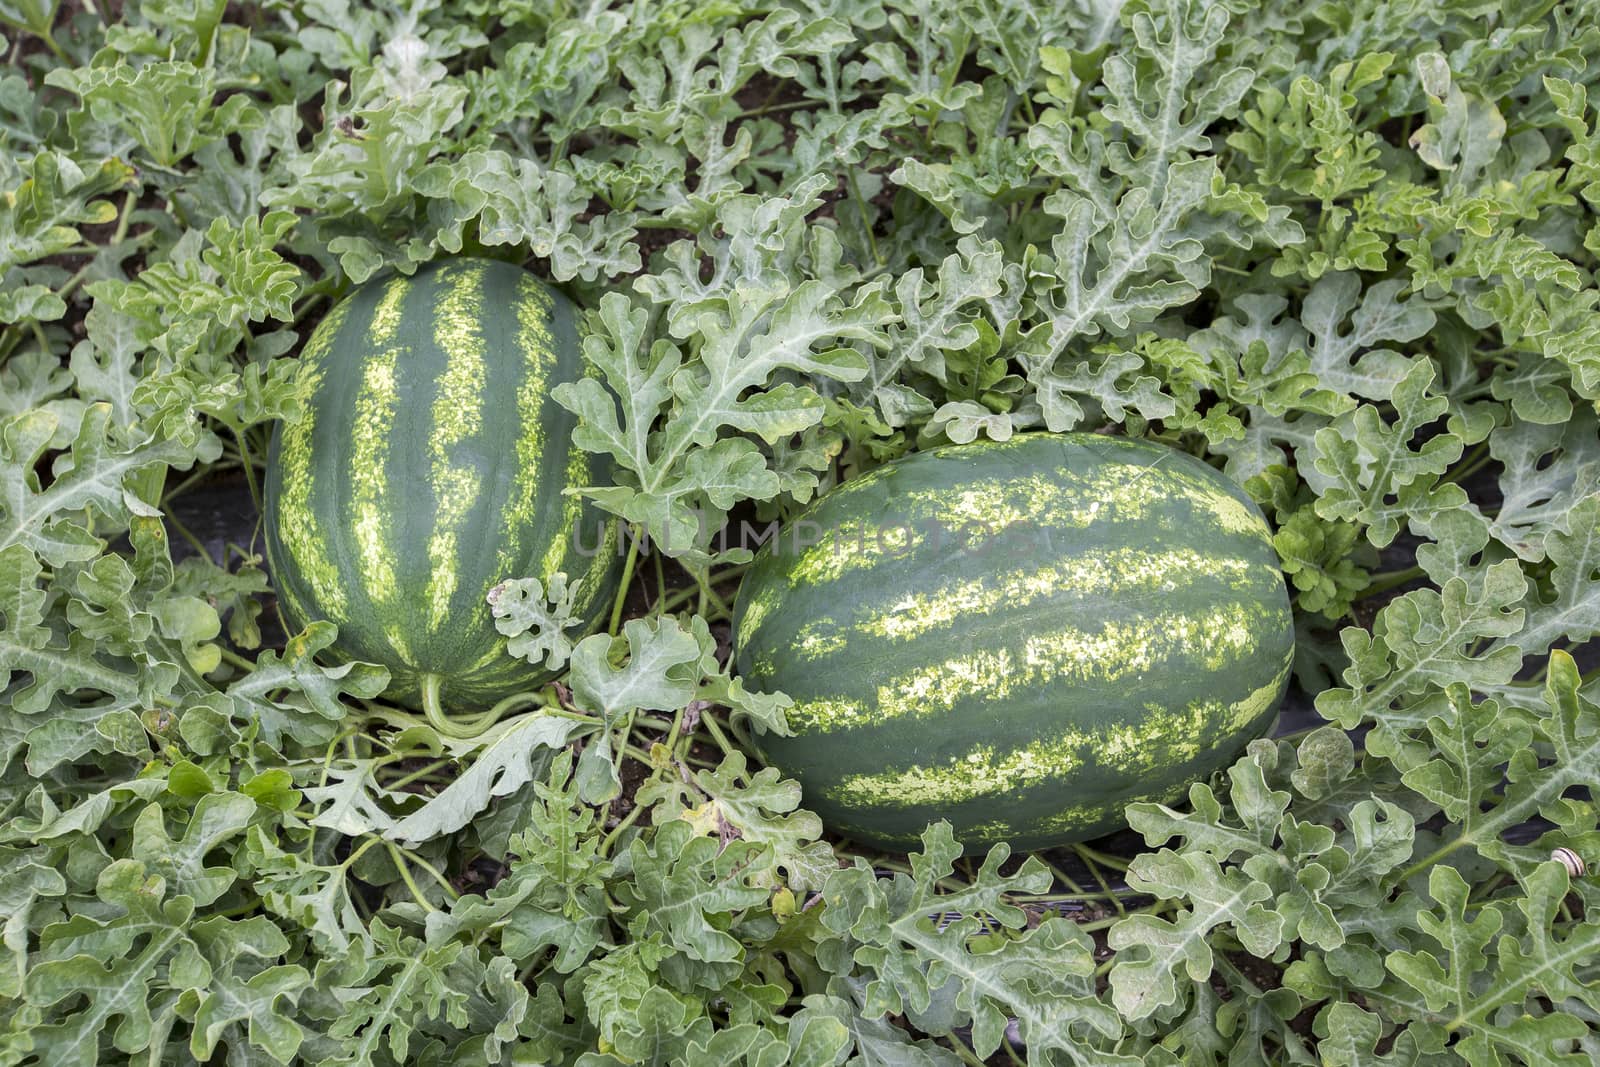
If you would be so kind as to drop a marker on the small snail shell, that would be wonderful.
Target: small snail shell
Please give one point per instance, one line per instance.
(1570, 860)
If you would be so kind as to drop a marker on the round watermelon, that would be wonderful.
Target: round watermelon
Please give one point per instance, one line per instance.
(431, 464)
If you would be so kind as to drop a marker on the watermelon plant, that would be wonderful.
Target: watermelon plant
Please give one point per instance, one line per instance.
(1337, 261)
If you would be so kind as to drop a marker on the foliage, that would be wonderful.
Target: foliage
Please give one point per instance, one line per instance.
(1345, 252)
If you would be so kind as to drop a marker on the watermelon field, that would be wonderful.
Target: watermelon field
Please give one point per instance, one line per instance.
(889, 533)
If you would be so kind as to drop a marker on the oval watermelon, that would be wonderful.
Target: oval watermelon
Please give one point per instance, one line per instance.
(429, 466)
(1019, 637)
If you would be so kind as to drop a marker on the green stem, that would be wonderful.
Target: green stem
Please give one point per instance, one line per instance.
(183, 531)
(230, 656)
(963, 1053)
(249, 469)
(1063, 877)
(773, 109)
(402, 782)
(1072, 897)
(1101, 858)
(684, 595)
(866, 223)
(710, 723)
(1105, 886)
(661, 580)
(1387, 581)
(405, 876)
(624, 734)
(322, 781)
(1430, 859)
(50, 42)
(465, 727)
(1484, 890)
(717, 602)
(637, 753)
(518, 700)
(1470, 463)
(433, 709)
(117, 237)
(310, 301)
(616, 832)
(433, 872)
(627, 580)
(1112, 920)
(188, 483)
(672, 735)
(360, 850)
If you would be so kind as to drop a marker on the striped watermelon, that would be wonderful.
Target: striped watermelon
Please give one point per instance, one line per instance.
(429, 467)
(1020, 638)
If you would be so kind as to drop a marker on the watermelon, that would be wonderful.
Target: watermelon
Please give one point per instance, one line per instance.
(1018, 637)
(429, 466)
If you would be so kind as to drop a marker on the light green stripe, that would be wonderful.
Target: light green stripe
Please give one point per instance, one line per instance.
(538, 348)
(1111, 493)
(1065, 821)
(572, 509)
(1163, 737)
(386, 316)
(297, 526)
(603, 563)
(370, 437)
(457, 416)
(755, 606)
(1213, 639)
(1119, 571)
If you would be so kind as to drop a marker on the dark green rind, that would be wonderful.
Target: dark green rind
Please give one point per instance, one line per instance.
(465, 649)
(1093, 793)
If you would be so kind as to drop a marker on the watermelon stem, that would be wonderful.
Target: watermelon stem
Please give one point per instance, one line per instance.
(249, 467)
(461, 728)
(236, 660)
(405, 876)
(671, 743)
(963, 1053)
(173, 493)
(1090, 855)
(399, 856)
(710, 723)
(866, 222)
(1382, 583)
(468, 727)
(183, 532)
(433, 872)
(661, 581)
(428, 769)
(1066, 879)
(1433, 857)
(682, 596)
(617, 830)
(627, 580)
(431, 708)
(707, 593)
